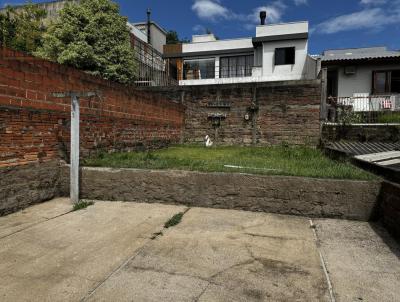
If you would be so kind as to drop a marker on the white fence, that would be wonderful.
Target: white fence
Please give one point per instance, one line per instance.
(370, 103)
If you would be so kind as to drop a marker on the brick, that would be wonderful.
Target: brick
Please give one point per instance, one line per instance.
(35, 125)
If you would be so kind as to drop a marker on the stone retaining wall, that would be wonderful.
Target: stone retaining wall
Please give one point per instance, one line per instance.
(274, 194)
(22, 186)
(361, 133)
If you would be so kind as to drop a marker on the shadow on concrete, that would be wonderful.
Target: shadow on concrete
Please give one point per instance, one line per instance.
(387, 238)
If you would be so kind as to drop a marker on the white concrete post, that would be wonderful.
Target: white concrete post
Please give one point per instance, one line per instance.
(74, 172)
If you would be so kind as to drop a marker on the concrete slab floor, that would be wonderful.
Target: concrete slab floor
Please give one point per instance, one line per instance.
(115, 252)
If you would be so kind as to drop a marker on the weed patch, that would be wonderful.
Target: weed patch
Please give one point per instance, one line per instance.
(82, 205)
(175, 220)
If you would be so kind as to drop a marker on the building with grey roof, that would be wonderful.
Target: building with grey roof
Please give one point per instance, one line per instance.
(358, 72)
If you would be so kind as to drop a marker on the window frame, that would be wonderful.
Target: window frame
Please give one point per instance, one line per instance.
(388, 81)
(209, 72)
(236, 69)
(293, 48)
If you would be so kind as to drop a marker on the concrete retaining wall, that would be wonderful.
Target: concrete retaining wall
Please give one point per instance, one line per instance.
(22, 186)
(275, 194)
(390, 207)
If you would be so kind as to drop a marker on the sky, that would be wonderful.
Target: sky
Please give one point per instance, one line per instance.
(333, 23)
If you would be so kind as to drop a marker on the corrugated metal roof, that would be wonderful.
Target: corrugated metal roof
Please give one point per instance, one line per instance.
(358, 148)
(382, 158)
(358, 54)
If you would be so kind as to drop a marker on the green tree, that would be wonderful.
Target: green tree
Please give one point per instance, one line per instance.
(22, 28)
(94, 37)
(173, 38)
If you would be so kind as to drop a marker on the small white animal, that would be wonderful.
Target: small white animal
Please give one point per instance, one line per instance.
(209, 142)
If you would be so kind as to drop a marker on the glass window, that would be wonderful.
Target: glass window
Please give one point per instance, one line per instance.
(395, 85)
(236, 66)
(199, 69)
(285, 56)
(380, 82)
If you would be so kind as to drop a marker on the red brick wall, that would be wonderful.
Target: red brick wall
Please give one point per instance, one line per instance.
(34, 126)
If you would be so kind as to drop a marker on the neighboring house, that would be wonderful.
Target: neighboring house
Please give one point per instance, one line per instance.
(368, 79)
(147, 40)
(278, 52)
(147, 44)
(158, 35)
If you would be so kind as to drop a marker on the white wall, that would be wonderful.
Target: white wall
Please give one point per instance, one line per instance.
(137, 33)
(361, 82)
(203, 38)
(281, 29)
(273, 72)
(217, 45)
(158, 38)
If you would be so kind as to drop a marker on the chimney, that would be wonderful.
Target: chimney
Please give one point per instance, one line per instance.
(149, 26)
(263, 16)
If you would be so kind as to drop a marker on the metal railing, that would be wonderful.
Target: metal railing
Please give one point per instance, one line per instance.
(147, 75)
(152, 69)
(364, 109)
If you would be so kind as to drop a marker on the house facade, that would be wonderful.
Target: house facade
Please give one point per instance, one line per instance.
(368, 79)
(277, 52)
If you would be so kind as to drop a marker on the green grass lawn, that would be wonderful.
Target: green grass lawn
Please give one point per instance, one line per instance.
(294, 161)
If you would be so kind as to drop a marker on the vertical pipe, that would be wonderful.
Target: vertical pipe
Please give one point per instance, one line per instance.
(74, 172)
(148, 26)
(324, 86)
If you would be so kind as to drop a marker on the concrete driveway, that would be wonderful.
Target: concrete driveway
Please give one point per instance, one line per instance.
(121, 252)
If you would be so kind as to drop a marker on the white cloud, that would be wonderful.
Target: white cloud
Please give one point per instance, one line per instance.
(210, 10)
(199, 28)
(274, 12)
(370, 18)
(305, 2)
(214, 10)
(373, 2)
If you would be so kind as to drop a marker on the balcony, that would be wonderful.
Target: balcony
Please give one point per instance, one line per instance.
(364, 109)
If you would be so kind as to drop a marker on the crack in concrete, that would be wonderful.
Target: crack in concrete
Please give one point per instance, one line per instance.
(323, 263)
(149, 269)
(197, 299)
(272, 237)
(35, 224)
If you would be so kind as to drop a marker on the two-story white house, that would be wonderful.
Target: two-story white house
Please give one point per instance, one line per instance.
(278, 52)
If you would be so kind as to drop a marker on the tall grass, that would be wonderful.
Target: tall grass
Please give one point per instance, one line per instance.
(280, 160)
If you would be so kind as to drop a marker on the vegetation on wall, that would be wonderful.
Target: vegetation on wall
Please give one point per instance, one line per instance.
(94, 37)
(22, 29)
